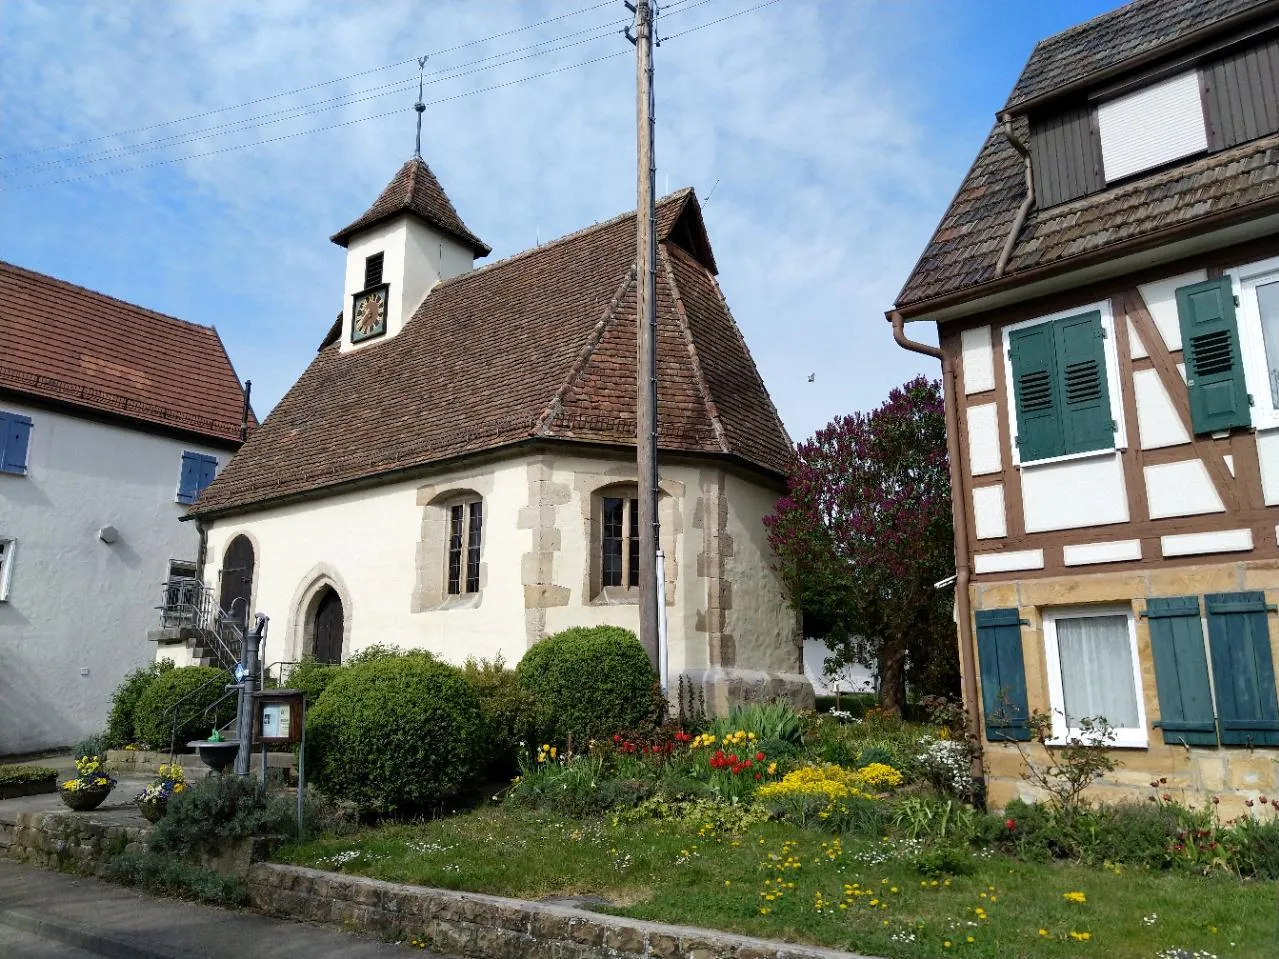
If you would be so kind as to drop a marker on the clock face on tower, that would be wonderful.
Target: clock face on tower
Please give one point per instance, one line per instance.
(369, 313)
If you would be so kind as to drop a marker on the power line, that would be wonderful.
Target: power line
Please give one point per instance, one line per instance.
(711, 23)
(333, 103)
(299, 133)
(312, 86)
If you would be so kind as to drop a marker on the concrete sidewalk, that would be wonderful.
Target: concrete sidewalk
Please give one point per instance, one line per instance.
(102, 919)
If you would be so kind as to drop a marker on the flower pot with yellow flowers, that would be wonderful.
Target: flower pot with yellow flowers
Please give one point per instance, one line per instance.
(153, 801)
(90, 787)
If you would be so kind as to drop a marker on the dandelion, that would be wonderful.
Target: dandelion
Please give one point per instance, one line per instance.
(1043, 932)
(1080, 936)
(1077, 897)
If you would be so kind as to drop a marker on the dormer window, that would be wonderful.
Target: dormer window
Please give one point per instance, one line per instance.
(373, 271)
(1152, 126)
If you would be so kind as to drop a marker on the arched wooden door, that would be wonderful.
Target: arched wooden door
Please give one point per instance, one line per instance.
(328, 627)
(237, 579)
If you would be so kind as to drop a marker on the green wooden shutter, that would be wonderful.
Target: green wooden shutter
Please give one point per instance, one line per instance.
(1083, 396)
(1035, 392)
(1242, 669)
(1003, 675)
(1181, 671)
(1214, 371)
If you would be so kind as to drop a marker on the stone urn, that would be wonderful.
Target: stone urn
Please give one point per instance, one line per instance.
(84, 799)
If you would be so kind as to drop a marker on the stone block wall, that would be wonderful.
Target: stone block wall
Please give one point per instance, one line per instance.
(491, 927)
(68, 841)
(1194, 775)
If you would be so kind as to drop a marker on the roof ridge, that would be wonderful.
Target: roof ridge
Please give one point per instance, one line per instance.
(680, 194)
(98, 294)
(542, 424)
(681, 314)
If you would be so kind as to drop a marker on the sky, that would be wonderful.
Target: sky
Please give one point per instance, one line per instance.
(824, 138)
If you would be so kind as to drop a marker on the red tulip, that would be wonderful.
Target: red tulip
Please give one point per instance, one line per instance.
(759, 757)
(1010, 824)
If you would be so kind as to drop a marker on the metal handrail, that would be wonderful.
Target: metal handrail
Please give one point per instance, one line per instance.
(173, 728)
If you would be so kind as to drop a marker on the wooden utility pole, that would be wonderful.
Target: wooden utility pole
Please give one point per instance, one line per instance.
(646, 346)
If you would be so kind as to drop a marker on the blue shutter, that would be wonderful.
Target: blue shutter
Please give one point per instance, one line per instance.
(1181, 671)
(1003, 675)
(1242, 669)
(1083, 396)
(15, 434)
(208, 469)
(189, 480)
(1035, 392)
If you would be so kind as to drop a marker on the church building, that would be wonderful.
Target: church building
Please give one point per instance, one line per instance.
(455, 470)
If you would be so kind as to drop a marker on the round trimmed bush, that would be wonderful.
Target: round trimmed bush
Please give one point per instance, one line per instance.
(154, 715)
(312, 677)
(592, 681)
(121, 729)
(396, 733)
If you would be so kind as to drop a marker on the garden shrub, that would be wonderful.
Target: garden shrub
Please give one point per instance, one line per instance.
(91, 746)
(219, 810)
(154, 715)
(948, 860)
(1257, 852)
(312, 677)
(512, 715)
(121, 729)
(592, 682)
(934, 819)
(396, 733)
(26, 775)
(170, 876)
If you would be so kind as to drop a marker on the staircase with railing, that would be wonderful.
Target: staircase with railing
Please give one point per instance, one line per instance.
(189, 613)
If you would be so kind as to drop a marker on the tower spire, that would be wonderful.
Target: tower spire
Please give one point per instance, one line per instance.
(420, 107)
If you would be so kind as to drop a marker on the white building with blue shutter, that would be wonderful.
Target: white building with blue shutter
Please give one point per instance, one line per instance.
(1105, 294)
(112, 419)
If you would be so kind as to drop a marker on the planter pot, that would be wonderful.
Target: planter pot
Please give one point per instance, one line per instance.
(152, 810)
(82, 800)
(35, 787)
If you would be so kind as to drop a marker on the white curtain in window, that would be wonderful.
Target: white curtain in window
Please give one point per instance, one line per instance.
(1096, 670)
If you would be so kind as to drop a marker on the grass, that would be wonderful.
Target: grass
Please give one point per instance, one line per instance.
(852, 894)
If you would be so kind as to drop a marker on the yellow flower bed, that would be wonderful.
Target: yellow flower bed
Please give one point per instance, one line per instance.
(880, 777)
(739, 738)
(829, 781)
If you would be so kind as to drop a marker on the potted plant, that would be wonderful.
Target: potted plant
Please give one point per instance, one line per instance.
(91, 785)
(154, 798)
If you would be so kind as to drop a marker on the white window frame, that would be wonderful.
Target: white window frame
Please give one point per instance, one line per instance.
(1111, 356)
(1136, 738)
(6, 565)
(1244, 281)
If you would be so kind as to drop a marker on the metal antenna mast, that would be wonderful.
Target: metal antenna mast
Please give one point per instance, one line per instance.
(420, 107)
(651, 590)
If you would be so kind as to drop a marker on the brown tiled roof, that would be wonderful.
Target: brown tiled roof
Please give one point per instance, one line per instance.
(71, 345)
(961, 255)
(1108, 40)
(541, 345)
(414, 189)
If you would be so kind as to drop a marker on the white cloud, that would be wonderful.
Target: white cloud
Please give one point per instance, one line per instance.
(827, 185)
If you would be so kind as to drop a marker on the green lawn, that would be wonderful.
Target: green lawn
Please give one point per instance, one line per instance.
(857, 895)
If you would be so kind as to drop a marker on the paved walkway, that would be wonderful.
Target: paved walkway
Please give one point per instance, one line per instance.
(49, 914)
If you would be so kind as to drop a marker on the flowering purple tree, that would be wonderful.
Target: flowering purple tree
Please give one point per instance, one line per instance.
(864, 533)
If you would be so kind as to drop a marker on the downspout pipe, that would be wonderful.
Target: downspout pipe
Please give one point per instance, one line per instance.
(963, 607)
(1020, 219)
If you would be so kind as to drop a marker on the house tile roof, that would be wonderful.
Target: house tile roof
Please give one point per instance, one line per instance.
(541, 345)
(961, 255)
(414, 189)
(73, 346)
(1108, 40)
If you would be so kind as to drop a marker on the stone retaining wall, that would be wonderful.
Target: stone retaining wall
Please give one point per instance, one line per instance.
(492, 927)
(69, 841)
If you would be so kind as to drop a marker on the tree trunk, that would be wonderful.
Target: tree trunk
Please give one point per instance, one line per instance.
(892, 676)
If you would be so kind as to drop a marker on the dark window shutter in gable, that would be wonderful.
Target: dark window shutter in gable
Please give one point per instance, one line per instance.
(1214, 371)
(1242, 667)
(189, 479)
(373, 271)
(1181, 671)
(15, 436)
(1003, 675)
(1035, 394)
(1086, 423)
(208, 470)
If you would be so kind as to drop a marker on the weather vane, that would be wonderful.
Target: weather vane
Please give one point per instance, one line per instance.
(420, 107)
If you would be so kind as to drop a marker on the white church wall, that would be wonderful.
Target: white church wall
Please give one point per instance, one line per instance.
(77, 611)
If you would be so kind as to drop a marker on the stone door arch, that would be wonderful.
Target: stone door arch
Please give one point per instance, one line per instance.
(235, 596)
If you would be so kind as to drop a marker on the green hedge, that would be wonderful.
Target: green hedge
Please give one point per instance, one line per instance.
(153, 720)
(25, 775)
(121, 729)
(592, 682)
(396, 733)
(512, 716)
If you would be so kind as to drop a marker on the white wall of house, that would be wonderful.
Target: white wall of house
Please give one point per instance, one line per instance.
(375, 548)
(853, 679)
(77, 610)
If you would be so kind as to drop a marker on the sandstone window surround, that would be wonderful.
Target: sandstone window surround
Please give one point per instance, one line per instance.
(451, 568)
(1093, 670)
